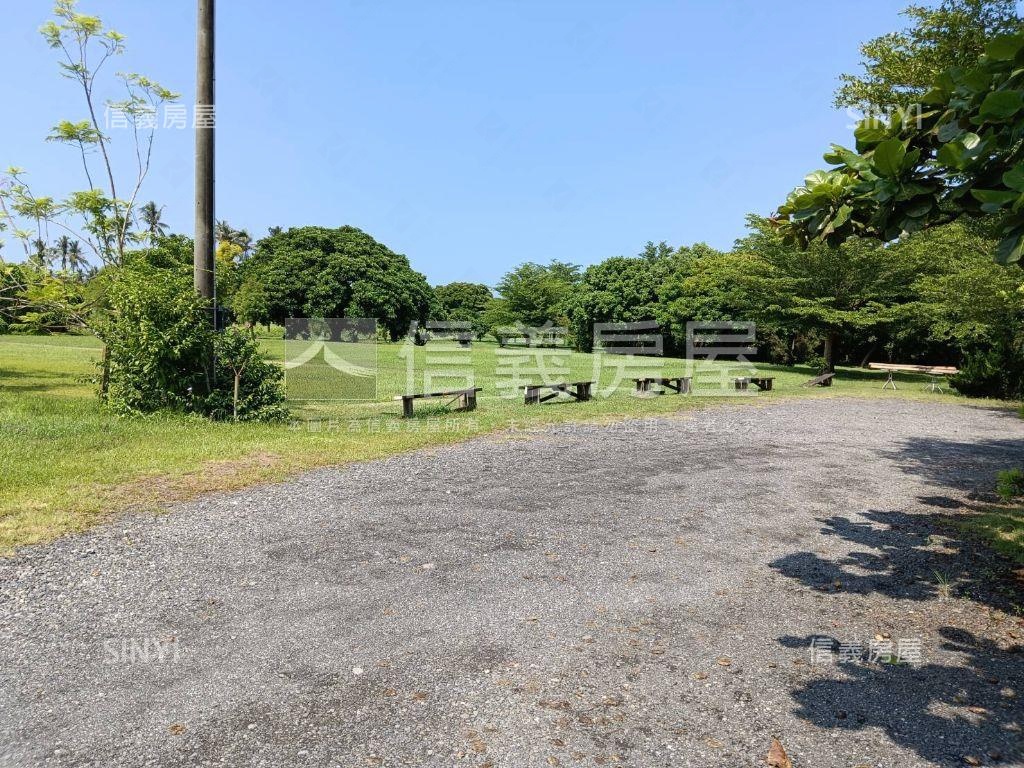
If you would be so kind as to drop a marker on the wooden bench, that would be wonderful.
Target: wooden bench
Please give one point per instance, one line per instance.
(580, 390)
(465, 397)
(679, 384)
(825, 380)
(761, 382)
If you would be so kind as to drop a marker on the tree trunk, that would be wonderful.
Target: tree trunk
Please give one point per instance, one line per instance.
(830, 351)
(105, 371)
(867, 357)
(238, 376)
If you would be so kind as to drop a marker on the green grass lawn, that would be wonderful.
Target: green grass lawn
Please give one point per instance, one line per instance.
(65, 462)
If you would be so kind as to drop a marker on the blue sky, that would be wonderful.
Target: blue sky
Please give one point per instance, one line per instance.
(471, 135)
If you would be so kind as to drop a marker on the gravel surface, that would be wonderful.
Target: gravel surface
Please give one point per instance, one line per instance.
(641, 594)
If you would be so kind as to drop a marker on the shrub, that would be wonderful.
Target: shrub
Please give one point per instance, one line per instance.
(991, 373)
(162, 347)
(1010, 484)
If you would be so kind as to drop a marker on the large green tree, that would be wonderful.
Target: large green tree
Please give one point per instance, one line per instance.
(534, 294)
(900, 67)
(841, 291)
(465, 302)
(963, 156)
(343, 272)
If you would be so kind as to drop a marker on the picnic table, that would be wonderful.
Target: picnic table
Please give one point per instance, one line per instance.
(580, 390)
(679, 384)
(824, 380)
(761, 382)
(465, 397)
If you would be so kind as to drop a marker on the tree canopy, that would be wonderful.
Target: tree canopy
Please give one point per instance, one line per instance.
(961, 156)
(343, 272)
(900, 67)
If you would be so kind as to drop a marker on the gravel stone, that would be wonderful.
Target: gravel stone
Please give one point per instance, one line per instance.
(636, 594)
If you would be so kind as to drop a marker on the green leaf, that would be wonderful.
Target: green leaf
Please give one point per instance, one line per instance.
(1014, 178)
(948, 131)
(919, 208)
(888, 157)
(1000, 105)
(993, 195)
(1004, 47)
(1010, 249)
(842, 216)
(869, 132)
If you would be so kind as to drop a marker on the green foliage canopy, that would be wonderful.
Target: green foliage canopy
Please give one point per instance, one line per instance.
(961, 156)
(343, 272)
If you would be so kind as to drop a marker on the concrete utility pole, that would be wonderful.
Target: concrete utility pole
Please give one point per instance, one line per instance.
(203, 256)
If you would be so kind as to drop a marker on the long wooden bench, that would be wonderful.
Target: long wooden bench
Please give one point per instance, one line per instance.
(761, 382)
(580, 390)
(679, 384)
(824, 380)
(465, 397)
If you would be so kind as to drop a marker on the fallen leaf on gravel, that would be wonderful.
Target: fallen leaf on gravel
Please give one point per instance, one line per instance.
(700, 676)
(390, 692)
(553, 761)
(177, 729)
(978, 710)
(777, 757)
(532, 618)
(557, 743)
(724, 661)
(972, 760)
(419, 696)
(714, 743)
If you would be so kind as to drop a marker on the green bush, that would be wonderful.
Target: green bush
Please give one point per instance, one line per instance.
(991, 373)
(162, 349)
(1010, 484)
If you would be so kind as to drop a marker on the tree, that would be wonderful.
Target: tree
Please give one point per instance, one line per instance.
(251, 304)
(533, 294)
(844, 290)
(617, 290)
(162, 345)
(961, 157)
(900, 67)
(151, 219)
(226, 234)
(465, 302)
(106, 213)
(320, 272)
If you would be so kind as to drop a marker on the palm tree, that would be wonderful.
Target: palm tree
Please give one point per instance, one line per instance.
(151, 215)
(41, 258)
(225, 233)
(61, 251)
(76, 259)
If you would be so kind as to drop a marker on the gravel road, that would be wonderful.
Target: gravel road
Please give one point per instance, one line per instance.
(644, 594)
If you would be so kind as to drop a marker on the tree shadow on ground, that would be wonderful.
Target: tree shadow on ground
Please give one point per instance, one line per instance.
(972, 705)
(943, 713)
(968, 467)
(907, 556)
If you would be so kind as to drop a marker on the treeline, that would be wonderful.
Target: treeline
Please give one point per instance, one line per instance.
(934, 297)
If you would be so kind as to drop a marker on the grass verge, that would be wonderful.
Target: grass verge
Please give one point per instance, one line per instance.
(65, 463)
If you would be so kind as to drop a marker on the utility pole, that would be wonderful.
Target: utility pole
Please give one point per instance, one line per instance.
(205, 116)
